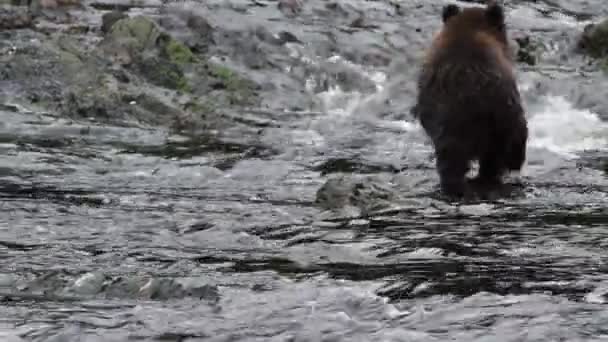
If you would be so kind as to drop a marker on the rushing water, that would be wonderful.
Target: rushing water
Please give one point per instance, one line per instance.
(122, 233)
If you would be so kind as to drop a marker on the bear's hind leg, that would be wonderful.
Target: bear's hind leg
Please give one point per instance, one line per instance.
(491, 168)
(516, 155)
(452, 166)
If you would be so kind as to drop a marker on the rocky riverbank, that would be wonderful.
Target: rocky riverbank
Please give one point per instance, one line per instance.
(183, 65)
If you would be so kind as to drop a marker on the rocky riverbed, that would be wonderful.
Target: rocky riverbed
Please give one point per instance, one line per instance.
(249, 170)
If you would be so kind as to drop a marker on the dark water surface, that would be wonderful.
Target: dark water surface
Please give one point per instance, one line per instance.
(122, 233)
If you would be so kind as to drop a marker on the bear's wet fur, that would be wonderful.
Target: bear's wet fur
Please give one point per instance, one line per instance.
(468, 102)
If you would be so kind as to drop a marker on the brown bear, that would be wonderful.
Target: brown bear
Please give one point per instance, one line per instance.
(468, 102)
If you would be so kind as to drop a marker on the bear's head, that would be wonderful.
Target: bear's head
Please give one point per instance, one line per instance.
(472, 29)
(469, 21)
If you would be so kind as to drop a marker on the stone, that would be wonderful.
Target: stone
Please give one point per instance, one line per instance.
(110, 18)
(594, 40)
(14, 18)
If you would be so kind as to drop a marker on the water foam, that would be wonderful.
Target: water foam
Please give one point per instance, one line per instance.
(555, 124)
(339, 102)
(560, 128)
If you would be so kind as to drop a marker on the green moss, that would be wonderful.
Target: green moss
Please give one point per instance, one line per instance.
(164, 74)
(141, 29)
(223, 73)
(239, 90)
(176, 80)
(178, 52)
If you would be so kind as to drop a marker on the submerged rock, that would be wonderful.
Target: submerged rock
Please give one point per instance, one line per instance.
(365, 193)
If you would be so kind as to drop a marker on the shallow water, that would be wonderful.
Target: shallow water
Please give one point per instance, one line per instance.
(123, 233)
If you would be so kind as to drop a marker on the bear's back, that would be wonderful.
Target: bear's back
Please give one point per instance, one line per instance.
(467, 85)
(468, 64)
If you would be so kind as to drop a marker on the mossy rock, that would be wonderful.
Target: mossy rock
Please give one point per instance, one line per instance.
(174, 50)
(240, 91)
(109, 19)
(140, 32)
(163, 74)
(69, 53)
(129, 38)
(100, 105)
(594, 40)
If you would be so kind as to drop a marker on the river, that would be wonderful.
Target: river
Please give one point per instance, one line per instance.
(116, 233)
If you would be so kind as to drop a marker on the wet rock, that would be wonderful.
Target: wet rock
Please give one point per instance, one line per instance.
(135, 37)
(199, 25)
(109, 82)
(162, 74)
(53, 9)
(174, 50)
(123, 287)
(57, 3)
(108, 19)
(189, 28)
(132, 35)
(152, 109)
(362, 23)
(202, 33)
(528, 51)
(594, 39)
(338, 9)
(98, 105)
(220, 86)
(93, 91)
(88, 284)
(51, 282)
(349, 165)
(120, 106)
(77, 29)
(288, 37)
(139, 44)
(122, 6)
(365, 193)
(164, 289)
(14, 18)
(290, 8)
(240, 91)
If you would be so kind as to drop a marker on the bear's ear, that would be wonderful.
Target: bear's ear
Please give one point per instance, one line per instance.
(495, 14)
(449, 11)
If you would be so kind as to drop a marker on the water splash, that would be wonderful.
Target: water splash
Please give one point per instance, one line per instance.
(560, 128)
